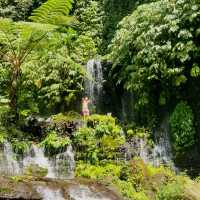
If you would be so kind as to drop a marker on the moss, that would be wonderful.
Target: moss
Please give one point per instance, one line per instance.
(17, 178)
(70, 116)
(36, 171)
(4, 190)
(2, 136)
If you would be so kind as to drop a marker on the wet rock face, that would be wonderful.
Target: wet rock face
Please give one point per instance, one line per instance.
(25, 188)
(13, 189)
(38, 126)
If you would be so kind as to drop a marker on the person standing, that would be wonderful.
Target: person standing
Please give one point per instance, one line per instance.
(85, 109)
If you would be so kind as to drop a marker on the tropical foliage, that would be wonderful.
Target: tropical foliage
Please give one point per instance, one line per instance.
(149, 49)
(157, 47)
(16, 9)
(182, 127)
(53, 12)
(100, 140)
(54, 143)
(18, 40)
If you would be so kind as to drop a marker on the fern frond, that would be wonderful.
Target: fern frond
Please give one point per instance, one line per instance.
(53, 12)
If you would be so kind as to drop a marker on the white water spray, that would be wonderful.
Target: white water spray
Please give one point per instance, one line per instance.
(36, 156)
(9, 165)
(94, 82)
(82, 192)
(49, 194)
(59, 166)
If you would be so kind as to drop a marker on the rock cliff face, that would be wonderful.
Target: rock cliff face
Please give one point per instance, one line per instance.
(26, 188)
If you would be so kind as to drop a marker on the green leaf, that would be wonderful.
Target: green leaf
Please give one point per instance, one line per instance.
(195, 71)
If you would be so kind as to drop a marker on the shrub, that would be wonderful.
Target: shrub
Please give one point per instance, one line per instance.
(100, 140)
(98, 172)
(54, 144)
(94, 120)
(172, 191)
(111, 174)
(2, 138)
(182, 129)
(70, 116)
(20, 147)
(86, 145)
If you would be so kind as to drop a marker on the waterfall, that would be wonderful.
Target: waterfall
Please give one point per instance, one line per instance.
(94, 82)
(59, 166)
(144, 154)
(162, 152)
(49, 194)
(159, 154)
(64, 164)
(36, 156)
(8, 162)
(82, 192)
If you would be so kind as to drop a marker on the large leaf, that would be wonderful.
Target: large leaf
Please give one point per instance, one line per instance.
(53, 12)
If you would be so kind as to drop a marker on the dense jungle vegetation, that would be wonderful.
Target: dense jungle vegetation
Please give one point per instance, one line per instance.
(151, 49)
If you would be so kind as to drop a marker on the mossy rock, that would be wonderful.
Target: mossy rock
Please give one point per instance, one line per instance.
(35, 170)
(4, 190)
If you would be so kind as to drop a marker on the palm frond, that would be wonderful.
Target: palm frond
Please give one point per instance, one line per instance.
(53, 12)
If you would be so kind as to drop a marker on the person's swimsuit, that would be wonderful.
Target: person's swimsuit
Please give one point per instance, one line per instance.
(85, 109)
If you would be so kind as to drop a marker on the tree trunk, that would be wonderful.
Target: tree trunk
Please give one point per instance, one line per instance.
(13, 89)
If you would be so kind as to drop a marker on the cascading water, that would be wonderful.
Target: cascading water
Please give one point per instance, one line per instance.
(36, 156)
(144, 154)
(49, 194)
(82, 192)
(64, 164)
(60, 166)
(8, 161)
(94, 82)
(159, 154)
(162, 152)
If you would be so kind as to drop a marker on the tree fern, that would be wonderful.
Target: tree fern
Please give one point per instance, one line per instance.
(53, 12)
(18, 40)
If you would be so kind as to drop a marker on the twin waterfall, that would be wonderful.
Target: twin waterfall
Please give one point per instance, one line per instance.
(61, 166)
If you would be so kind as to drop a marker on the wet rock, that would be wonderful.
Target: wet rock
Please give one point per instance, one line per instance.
(29, 188)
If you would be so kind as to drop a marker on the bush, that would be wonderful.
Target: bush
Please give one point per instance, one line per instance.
(86, 145)
(113, 174)
(172, 191)
(98, 172)
(182, 129)
(54, 144)
(70, 116)
(20, 147)
(100, 140)
(94, 120)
